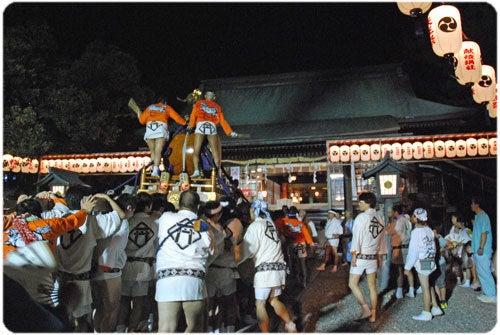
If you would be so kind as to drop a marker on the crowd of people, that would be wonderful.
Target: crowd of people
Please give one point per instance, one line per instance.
(136, 263)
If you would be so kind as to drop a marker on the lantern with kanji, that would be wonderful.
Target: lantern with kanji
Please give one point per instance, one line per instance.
(491, 106)
(484, 90)
(418, 150)
(397, 151)
(428, 149)
(493, 145)
(407, 149)
(468, 63)
(445, 30)
(414, 9)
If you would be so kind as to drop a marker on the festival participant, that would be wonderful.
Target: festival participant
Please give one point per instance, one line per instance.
(368, 247)
(185, 247)
(261, 243)
(155, 117)
(75, 248)
(205, 117)
(333, 232)
(110, 257)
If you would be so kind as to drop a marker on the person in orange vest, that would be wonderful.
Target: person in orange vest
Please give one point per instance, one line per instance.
(298, 238)
(205, 117)
(155, 117)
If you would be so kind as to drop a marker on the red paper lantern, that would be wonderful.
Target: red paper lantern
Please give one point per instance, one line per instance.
(468, 63)
(484, 90)
(414, 9)
(445, 30)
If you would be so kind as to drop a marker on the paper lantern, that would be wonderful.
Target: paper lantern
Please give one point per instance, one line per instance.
(407, 148)
(493, 145)
(25, 165)
(85, 165)
(491, 106)
(414, 9)
(115, 165)
(66, 164)
(107, 163)
(334, 153)
(345, 153)
(100, 164)
(59, 164)
(450, 148)
(439, 149)
(7, 160)
(397, 152)
(146, 161)
(15, 164)
(428, 149)
(77, 165)
(386, 147)
(355, 153)
(468, 63)
(34, 165)
(461, 146)
(375, 152)
(471, 147)
(484, 90)
(92, 165)
(364, 150)
(482, 147)
(123, 165)
(44, 166)
(131, 164)
(418, 150)
(139, 163)
(445, 30)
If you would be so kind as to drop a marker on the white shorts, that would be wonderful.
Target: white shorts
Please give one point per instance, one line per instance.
(220, 282)
(262, 293)
(362, 265)
(334, 242)
(206, 128)
(133, 288)
(156, 129)
(180, 288)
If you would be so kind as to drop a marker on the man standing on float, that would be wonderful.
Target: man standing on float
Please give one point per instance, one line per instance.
(204, 119)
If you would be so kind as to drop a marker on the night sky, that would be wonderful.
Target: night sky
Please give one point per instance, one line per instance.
(179, 44)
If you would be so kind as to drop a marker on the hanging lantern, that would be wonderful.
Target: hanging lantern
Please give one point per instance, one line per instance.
(493, 145)
(439, 149)
(44, 166)
(468, 63)
(364, 150)
(461, 148)
(131, 164)
(445, 30)
(418, 150)
(386, 147)
(450, 148)
(25, 165)
(34, 165)
(334, 153)
(344, 153)
(375, 152)
(85, 165)
(59, 164)
(414, 9)
(66, 164)
(397, 152)
(355, 153)
(491, 106)
(484, 90)
(15, 164)
(99, 164)
(482, 147)
(92, 165)
(428, 149)
(7, 159)
(407, 148)
(77, 165)
(123, 164)
(471, 147)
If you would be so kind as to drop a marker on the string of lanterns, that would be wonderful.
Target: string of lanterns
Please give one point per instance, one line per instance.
(448, 41)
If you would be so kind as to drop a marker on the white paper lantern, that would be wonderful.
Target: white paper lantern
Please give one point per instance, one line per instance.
(428, 149)
(334, 153)
(25, 165)
(115, 165)
(482, 147)
(493, 145)
(355, 153)
(100, 164)
(364, 150)
(445, 30)
(131, 164)
(77, 165)
(7, 160)
(123, 163)
(375, 152)
(418, 150)
(414, 9)
(484, 90)
(439, 149)
(471, 147)
(450, 148)
(59, 164)
(108, 164)
(92, 165)
(407, 148)
(66, 164)
(15, 164)
(461, 148)
(44, 166)
(491, 106)
(345, 153)
(386, 147)
(34, 166)
(139, 163)
(468, 63)
(85, 165)
(397, 152)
